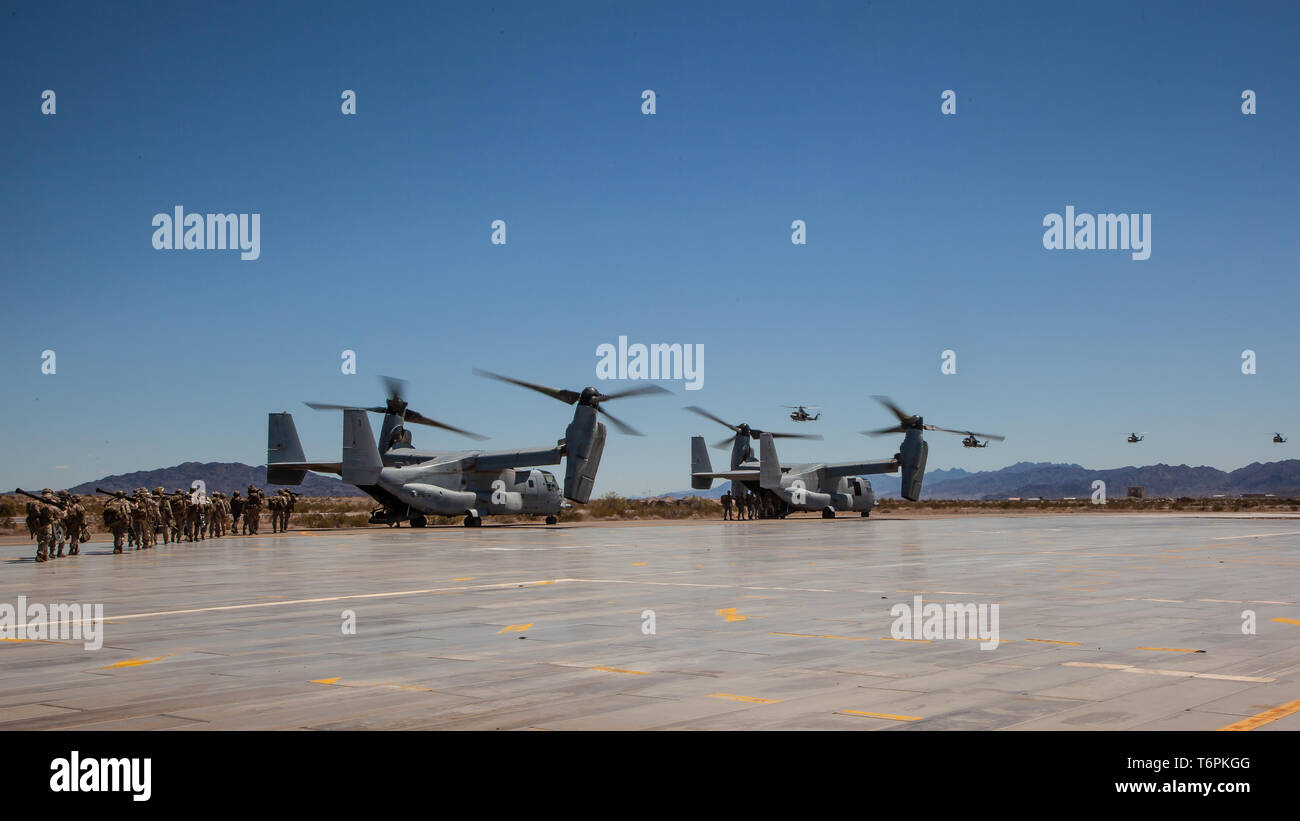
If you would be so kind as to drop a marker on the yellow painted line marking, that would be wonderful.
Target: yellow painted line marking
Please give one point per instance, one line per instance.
(410, 687)
(730, 614)
(1265, 717)
(618, 670)
(639, 564)
(17, 641)
(464, 579)
(1281, 620)
(539, 584)
(815, 636)
(917, 641)
(749, 699)
(134, 662)
(1129, 668)
(385, 685)
(514, 628)
(1170, 649)
(880, 715)
(1054, 641)
(1272, 602)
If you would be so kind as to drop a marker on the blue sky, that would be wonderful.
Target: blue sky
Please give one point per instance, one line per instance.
(924, 231)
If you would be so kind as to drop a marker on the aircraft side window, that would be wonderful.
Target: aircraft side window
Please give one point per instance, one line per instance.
(530, 482)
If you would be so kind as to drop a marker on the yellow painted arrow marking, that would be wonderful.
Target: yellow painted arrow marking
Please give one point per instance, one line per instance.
(749, 699)
(617, 670)
(134, 662)
(514, 628)
(880, 715)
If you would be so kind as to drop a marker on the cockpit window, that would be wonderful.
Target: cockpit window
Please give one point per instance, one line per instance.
(550, 480)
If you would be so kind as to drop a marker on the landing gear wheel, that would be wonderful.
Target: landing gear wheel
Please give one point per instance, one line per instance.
(473, 521)
(550, 520)
(828, 514)
(866, 513)
(419, 521)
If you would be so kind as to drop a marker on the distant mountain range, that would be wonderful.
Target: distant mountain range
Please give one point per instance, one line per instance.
(1048, 480)
(1025, 480)
(223, 476)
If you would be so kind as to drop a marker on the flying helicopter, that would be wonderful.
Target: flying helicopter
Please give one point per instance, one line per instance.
(799, 413)
(1278, 438)
(1136, 437)
(971, 440)
(411, 485)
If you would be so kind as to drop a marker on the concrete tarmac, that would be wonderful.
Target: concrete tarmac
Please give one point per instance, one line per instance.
(1157, 622)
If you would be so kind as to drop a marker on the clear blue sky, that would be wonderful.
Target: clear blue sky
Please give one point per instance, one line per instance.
(924, 231)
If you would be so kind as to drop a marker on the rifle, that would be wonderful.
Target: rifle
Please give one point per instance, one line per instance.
(56, 502)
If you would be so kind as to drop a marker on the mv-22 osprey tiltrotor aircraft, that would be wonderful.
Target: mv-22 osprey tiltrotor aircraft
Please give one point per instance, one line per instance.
(413, 484)
(828, 487)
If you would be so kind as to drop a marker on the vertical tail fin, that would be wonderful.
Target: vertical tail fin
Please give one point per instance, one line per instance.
(700, 464)
(282, 445)
(769, 467)
(361, 463)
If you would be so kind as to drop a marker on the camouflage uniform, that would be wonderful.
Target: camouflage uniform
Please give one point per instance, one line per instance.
(74, 522)
(253, 510)
(164, 513)
(179, 503)
(117, 518)
(144, 514)
(194, 521)
(40, 523)
(276, 506)
(59, 528)
(289, 501)
(236, 509)
(217, 515)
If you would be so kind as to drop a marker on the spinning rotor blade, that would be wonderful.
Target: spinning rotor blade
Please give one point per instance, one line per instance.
(326, 406)
(641, 391)
(707, 415)
(992, 436)
(589, 397)
(622, 426)
(883, 431)
(818, 436)
(421, 419)
(395, 387)
(567, 397)
(397, 406)
(903, 417)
